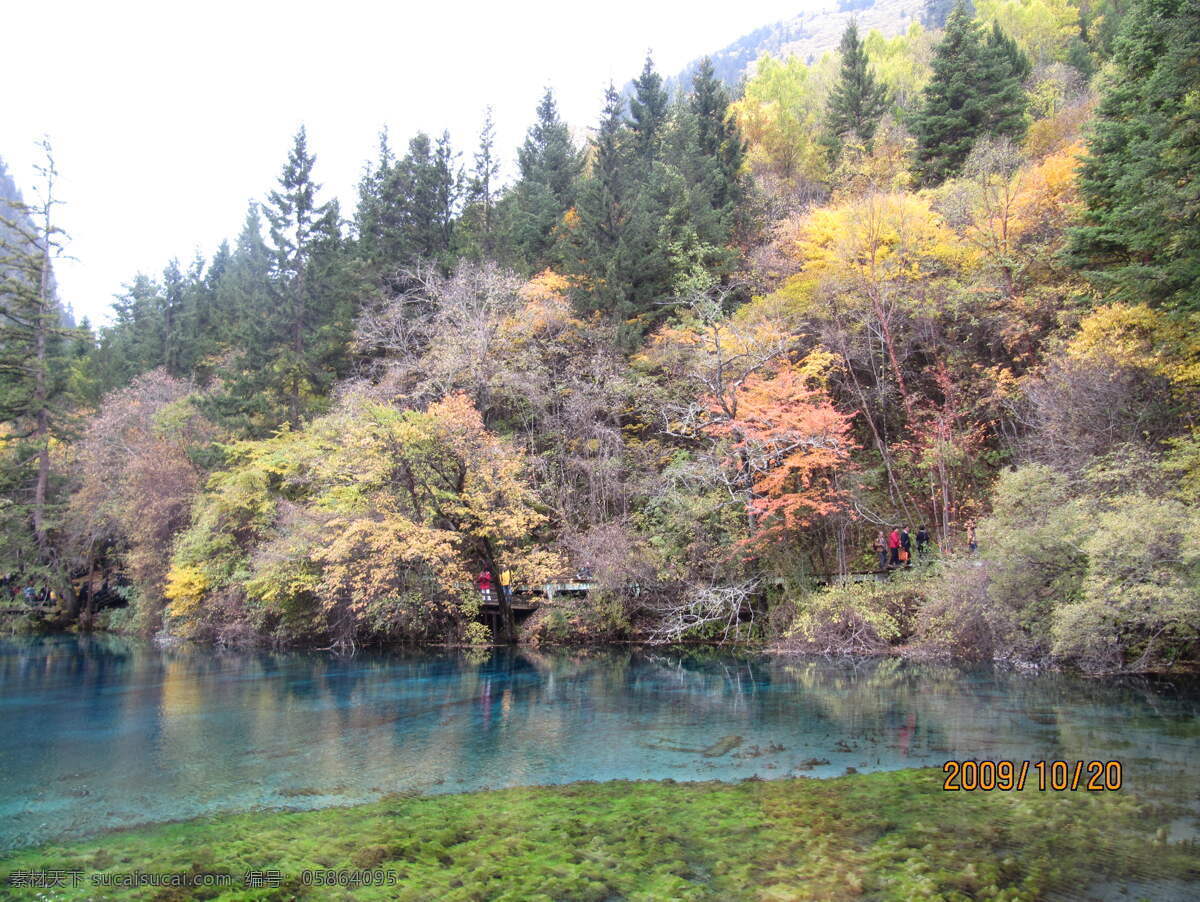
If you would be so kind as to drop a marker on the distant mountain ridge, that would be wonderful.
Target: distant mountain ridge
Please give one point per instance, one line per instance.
(815, 31)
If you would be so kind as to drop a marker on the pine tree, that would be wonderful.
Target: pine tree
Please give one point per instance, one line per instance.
(406, 207)
(633, 213)
(175, 326)
(1141, 176)
(596, 237)
(975, 90)
(304, 329)
(857, 102)
(250, 330)
(215, 318)
(657, 210)
(375, 222)
(35, 350)
(648, 111)
(717, 137)
(1005, 69)
(549, 166)
(478, 222)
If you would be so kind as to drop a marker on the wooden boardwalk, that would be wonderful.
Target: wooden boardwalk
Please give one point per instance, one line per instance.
(28, 609)
(528, 598)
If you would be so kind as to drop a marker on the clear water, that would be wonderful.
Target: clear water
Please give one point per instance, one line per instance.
(103, 732)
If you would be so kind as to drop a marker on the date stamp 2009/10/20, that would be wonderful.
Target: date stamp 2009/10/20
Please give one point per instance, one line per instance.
(1055, 776)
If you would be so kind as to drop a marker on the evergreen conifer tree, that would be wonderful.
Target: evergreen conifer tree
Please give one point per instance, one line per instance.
(294, 349)
(1005, 68)
(857, 101)
(549, 167)
(1141, 176)
(648, 111)
(477, 225)
(975, 90)
(598, 234)
(406, 207)
(36, 397)
(717, 137)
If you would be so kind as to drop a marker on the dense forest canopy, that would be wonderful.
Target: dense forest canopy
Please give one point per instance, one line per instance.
(944, 280)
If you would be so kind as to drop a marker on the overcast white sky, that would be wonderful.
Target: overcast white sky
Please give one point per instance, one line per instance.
(168, 117)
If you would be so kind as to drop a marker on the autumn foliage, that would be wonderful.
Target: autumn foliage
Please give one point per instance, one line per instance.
(788, 444)
(368, 523)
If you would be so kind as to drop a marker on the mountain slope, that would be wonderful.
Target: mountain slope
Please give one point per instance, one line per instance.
(811, 33)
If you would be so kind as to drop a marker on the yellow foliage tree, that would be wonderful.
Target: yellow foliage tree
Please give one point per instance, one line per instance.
(780, 115)
(1041, 28)
(1138, 336)
(902, 62)
(369, 521)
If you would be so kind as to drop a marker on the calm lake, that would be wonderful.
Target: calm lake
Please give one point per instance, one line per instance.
(102, 732)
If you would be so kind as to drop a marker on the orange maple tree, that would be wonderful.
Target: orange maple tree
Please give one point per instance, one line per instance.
(788, 444)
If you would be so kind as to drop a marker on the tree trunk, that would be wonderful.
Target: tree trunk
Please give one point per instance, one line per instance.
(40, 395)
(508, 622)
(297, 344)
(90, 610)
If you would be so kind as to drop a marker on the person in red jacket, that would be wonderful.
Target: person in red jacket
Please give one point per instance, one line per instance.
(894, 547)
(484, 583)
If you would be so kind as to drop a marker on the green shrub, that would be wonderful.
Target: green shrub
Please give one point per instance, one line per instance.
(1140, 604)
(477, 634)
(858, 617)
(1100, 570)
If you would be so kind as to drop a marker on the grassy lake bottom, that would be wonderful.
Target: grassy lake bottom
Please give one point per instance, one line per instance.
(894, 835)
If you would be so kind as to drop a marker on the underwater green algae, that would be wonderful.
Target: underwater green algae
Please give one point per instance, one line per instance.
(894, 835)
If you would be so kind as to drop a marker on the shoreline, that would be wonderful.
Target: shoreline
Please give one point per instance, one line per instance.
(772, 647)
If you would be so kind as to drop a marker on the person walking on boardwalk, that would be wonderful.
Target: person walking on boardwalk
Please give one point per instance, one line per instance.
(506, 584)
(905, 547)
(922, 543)
(894, 547)
(881, 550)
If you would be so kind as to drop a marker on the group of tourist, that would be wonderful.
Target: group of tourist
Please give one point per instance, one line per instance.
(486, 583)
(895, 549)
(34, 596)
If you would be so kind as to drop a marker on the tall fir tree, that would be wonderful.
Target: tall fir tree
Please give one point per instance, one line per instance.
(478, 224)
(175, 325)
(1140, 178)
(648, 112)
(376, 222)
(549, 165)
(1005, 68)
(857, 101)
(36, 392)
(598, 232)
(717, 137)
(975, 90)
(406, 207)
(658, 207)
(297, 346)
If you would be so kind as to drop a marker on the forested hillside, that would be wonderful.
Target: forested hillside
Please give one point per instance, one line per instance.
(945, 279)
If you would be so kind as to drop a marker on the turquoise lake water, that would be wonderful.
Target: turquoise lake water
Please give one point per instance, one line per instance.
(102, 732)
